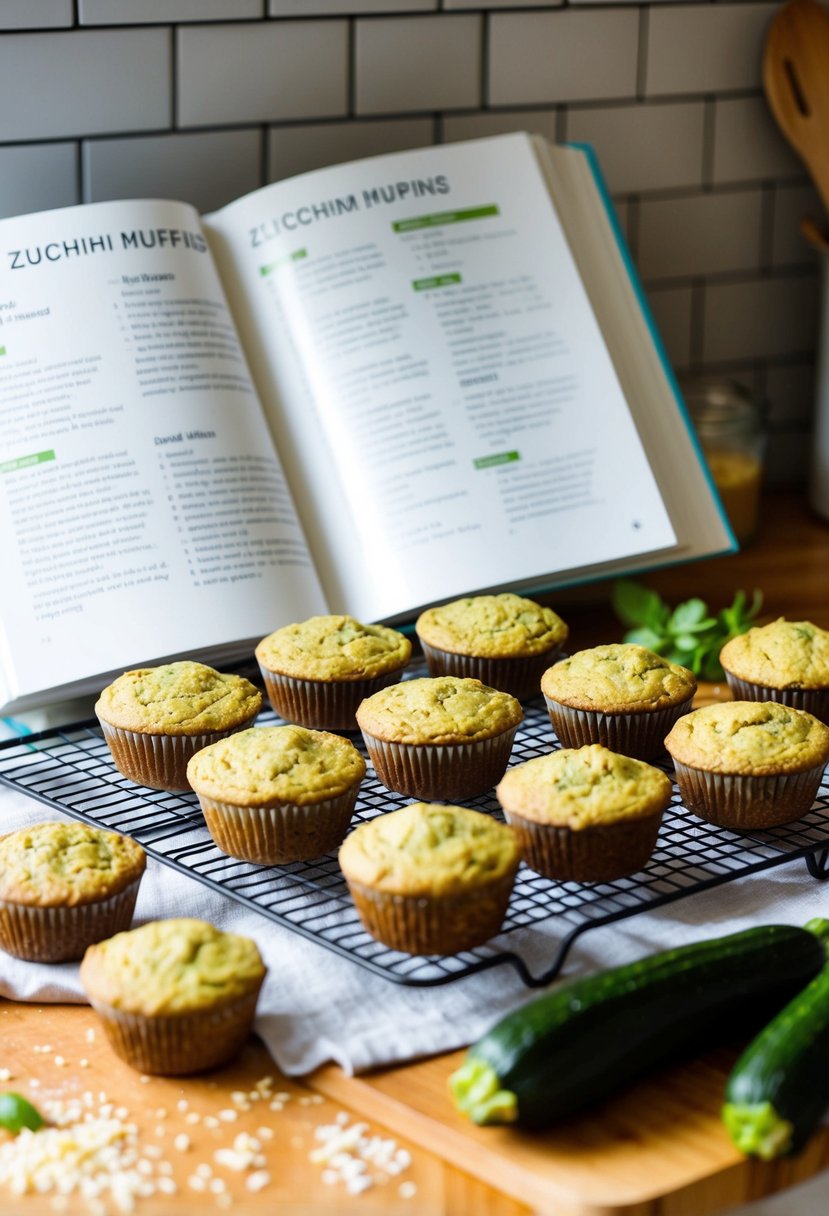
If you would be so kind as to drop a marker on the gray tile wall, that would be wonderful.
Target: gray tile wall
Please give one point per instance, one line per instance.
(207, 99)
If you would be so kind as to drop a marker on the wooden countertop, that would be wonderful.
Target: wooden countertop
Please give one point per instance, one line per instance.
(657, 1149)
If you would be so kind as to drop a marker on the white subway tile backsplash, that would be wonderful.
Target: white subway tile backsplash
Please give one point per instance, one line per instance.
(35, 14)
(38, 177)
(418, 63)
(703, 234)
(261, 73)
(672, 314)
(207, 168)
(346, 8)
(747, 143)
(537, 58)
(298, 149)
(760, 318)
(88, 82)
(644, 147)
(790, 394)
(791, 204)
(703, 48)
(131, 12)
(489, 122)
(502, 4)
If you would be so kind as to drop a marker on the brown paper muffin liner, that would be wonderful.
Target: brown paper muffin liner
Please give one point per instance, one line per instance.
(159, 761)
(594, 854)
(640, 735)
(433, 925)
(743, 802)
(273, 835)
(61, 934)
(814, 701)
(519, 677)
(176, 1044)
(447, 772)
(322, 704)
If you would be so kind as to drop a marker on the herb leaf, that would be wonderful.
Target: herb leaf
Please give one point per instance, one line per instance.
(689, 633)
(16, 1113)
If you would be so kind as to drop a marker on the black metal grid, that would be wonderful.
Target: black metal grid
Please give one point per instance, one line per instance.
(71, 770)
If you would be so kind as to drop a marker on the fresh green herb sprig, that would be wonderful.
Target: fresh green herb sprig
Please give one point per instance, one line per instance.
(690, 633)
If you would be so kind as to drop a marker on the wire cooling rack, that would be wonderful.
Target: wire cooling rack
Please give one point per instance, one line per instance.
(71, 771)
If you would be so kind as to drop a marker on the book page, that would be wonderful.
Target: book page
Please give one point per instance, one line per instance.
(144, 512)
(429, 357)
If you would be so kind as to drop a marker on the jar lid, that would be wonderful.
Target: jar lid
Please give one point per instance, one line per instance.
(721, 402)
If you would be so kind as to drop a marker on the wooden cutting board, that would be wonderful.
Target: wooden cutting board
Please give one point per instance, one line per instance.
(658, 1149)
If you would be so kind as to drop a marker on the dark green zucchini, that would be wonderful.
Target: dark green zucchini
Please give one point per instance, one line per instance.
(578, 1044)
(778, 1091)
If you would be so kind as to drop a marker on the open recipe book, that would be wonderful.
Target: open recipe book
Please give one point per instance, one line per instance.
(365, 389)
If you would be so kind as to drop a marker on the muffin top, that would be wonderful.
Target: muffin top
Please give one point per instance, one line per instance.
(183, 698)
(492, 626)
(334, 648)
(268, 765)
(426, 849)
(784, 654)
(440, 709)
(749, 737)
(618, 678)
(584, 787)
(65, 864)
(171, 966)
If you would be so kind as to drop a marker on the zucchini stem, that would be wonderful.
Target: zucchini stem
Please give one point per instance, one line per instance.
(757, 1130)
(477, 1092)
(820, 927)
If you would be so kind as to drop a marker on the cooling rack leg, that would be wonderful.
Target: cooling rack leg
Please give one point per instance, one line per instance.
(816, 864)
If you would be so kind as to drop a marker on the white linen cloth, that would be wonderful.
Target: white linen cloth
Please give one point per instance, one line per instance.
(317, 1007)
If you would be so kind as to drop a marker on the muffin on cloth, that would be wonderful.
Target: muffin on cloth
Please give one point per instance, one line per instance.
(274, 794)
(585, 814)
(748, 764)
(174, 996)
(439, 738)
(504, 640)
(786, 661)
(621, 695)
(431, 879)
(155, 718)
(317, 671)
(64, 886)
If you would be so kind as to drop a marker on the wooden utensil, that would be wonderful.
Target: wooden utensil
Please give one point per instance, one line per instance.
(796, 82)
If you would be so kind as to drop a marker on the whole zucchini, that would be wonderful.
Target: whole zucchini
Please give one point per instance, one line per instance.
(778, 1090)
(576, 1045)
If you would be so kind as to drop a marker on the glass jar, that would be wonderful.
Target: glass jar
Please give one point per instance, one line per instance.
(731, 427)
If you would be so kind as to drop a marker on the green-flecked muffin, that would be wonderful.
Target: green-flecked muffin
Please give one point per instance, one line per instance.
(431, 879)
(504, 640)
(64, 886)
(620, 695)
(439, 738)
(317, 671)
(785, 661)
(585, 814)
(749, 764)
(174, 996)
(155, 718)
(275, 794)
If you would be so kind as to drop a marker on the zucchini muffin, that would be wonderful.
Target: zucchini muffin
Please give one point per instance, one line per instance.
(505, 641)
(155, 718)
(621, 695)
(275, 794)
(431, 879)
(439, 738)
(585, 814)
(786, 661)
(174, 996)
(64, 886)
(749, 764)
(317, 671)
